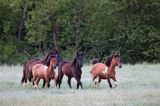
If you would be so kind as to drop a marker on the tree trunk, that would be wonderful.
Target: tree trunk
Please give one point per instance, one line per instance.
(78, 23)
(54, 33)
(22, 19)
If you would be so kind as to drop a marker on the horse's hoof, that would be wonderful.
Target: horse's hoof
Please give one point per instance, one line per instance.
(95, 83)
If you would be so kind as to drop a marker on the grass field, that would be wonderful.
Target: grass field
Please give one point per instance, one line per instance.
(138, 85)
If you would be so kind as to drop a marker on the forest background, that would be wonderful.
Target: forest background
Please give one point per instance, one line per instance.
(31, 28)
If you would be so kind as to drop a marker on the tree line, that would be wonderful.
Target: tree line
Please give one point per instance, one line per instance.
(29, 28)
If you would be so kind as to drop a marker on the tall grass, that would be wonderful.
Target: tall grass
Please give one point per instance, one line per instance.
(138, 85)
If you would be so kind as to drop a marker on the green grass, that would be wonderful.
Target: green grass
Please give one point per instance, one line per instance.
(138, 85)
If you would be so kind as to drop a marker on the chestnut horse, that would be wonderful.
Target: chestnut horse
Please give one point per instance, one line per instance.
(101, 71)
(41, 71)
(71, 69)
(29, 64)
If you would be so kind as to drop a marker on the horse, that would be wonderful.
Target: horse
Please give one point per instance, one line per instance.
(29, 64)
(41, 71)
(108, 60)
(101, 71)
(71, 69)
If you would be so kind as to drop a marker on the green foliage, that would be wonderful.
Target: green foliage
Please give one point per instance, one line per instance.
(130, 26)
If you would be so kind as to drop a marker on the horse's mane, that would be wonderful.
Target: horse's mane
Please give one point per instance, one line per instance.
(74, 62)
(109, 58)
(51, 54)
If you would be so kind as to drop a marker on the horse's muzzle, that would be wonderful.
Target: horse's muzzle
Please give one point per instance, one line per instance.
(120, 66)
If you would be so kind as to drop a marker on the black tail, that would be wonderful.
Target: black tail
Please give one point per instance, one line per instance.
(30, 76)
(24, 74)
(23, 78)
(94, 61)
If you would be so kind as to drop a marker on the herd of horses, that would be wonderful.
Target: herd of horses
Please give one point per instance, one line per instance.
(36, 69)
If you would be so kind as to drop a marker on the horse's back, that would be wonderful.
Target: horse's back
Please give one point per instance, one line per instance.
(39, 69)
(66, 68)
(98, 68)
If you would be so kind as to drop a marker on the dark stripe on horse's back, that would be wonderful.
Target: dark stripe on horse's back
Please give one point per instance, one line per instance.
(95, 60)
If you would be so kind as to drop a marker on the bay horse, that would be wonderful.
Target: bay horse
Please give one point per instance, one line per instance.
(41, 71)
(71, 69)
(27, 75)
(101, 71)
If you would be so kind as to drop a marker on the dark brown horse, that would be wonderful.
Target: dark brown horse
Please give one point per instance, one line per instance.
(27, 75)
(102, 72)
(41, 71)
(71, 69)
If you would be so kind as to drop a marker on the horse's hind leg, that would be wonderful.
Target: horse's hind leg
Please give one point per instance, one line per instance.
(34, 81)
(69, 82)
(37, 81)
(99, 80)
(109, 82)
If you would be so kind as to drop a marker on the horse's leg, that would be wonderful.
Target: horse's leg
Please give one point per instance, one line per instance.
(33, 81)
(69, 82)
(109, 82)
(78, 81)
(94, 77)
(37, 81)
(115, 81)
(44, 83)
(99, 80)
(60, 80)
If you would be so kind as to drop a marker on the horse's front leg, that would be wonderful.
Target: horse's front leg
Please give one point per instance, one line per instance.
(79, 82)
(48, 83)
(44, 83)
(115, 81)
(109, 82)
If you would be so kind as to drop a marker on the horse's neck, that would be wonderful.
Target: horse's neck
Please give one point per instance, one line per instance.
(111, 68)
(50, 67)
(43, 61)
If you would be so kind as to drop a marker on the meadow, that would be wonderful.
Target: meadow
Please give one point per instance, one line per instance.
(138, 85)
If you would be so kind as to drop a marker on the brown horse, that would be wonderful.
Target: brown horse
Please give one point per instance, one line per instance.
(71, 69)
(29, 64)
(102, 72)
(41, 71)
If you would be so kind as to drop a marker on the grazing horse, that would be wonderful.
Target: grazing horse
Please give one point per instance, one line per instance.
(41, 71)
(71, 69)
(29, 64)
(101, 71)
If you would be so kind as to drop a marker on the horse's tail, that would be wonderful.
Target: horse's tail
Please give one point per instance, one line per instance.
(59, 74)
(27, 71)
(29, 74)
(94, 61)
(24, 75)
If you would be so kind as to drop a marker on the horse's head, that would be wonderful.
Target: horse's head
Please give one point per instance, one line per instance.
(117, 60)
(78, 61)
(54, 61)
(52, 54)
